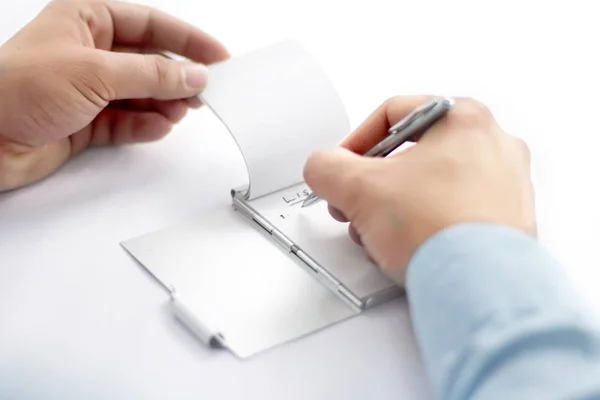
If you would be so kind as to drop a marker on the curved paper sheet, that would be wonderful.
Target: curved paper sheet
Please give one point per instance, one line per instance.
(279, 106)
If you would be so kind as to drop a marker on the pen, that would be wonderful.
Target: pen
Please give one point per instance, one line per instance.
(414, 124)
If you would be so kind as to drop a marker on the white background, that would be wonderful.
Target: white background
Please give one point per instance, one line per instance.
(76, 312)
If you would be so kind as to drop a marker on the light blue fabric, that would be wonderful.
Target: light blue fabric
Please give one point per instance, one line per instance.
(496, 318)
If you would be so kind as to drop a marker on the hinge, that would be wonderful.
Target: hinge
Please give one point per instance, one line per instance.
(351, 297)
(321, 274)
(328, 280)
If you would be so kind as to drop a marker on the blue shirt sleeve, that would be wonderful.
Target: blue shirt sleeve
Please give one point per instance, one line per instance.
(496, 318)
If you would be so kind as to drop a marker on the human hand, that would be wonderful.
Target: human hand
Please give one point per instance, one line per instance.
(82, 73)
(464, 169)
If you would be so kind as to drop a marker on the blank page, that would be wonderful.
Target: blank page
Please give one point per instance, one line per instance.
(238, 282)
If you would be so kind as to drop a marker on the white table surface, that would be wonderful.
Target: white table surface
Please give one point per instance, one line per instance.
(77, 311)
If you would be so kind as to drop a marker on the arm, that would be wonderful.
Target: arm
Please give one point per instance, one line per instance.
(452, 218)
(495, 317)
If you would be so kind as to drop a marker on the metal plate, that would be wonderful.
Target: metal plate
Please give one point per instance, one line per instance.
(237, 282)
(327, 242)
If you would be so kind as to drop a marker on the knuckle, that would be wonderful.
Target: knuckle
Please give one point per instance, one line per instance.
(475, 105)
(470, 112)
(161, 69)
(97, 17)
(90, 75)
(523, 149)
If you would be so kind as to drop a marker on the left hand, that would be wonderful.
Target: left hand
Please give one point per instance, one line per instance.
(78, 76)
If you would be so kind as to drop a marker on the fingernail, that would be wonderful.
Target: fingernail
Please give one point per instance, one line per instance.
(195, 76)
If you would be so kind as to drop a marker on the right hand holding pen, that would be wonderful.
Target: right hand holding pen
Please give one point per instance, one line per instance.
(464, 169)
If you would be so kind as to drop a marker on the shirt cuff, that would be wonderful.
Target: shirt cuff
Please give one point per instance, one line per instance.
(472, 275)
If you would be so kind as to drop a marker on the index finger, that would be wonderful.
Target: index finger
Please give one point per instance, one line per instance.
(142, 26)
(376, 126)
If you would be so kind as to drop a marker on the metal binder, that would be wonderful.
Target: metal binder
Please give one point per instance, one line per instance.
(240, 275)
(357, 296)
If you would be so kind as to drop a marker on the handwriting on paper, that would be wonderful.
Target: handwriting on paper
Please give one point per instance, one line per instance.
(283, 204)
(296, 197)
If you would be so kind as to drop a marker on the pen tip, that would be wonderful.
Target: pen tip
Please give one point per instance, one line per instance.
(310, 200)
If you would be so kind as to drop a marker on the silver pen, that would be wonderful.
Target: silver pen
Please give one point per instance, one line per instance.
(414, 124)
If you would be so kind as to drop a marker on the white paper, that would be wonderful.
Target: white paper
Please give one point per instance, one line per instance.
(238, 282)
(324, 239)
(279, 106)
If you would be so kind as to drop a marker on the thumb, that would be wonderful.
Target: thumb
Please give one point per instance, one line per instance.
(141, 76)
(338, 177)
